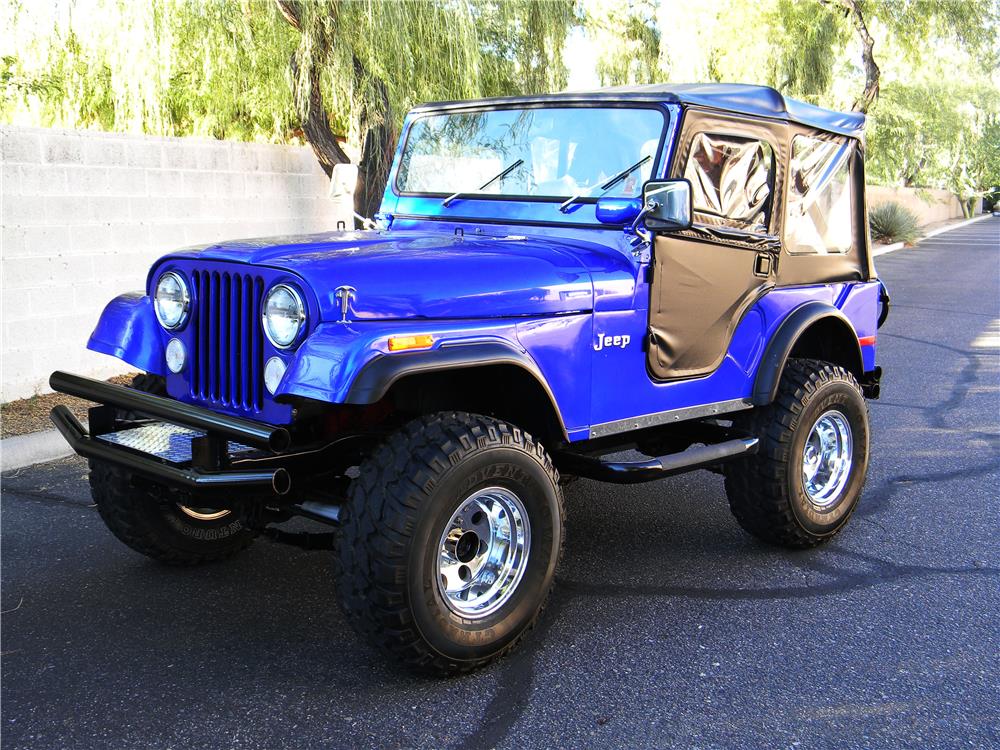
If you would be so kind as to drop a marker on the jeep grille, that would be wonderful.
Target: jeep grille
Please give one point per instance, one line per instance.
(228, 352)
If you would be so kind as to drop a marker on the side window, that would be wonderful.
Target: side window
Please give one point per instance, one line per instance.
(819, 217)
(732, 180)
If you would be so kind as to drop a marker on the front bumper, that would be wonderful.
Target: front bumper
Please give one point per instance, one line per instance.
(209, 452)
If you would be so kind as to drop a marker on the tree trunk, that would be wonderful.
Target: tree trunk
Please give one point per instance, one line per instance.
(312, 110)
(316, 123)
(378, 141)
(852, 10)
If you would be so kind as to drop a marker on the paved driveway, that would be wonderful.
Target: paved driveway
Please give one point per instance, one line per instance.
(669, 626)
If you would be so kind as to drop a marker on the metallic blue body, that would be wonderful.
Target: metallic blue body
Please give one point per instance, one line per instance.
(565, 288)
(128, 330)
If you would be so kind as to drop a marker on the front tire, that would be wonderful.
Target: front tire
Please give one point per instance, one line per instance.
(806, 478)
(161, 524)
(450, 540)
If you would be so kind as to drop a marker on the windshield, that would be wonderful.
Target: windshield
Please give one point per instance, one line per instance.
(564, 152)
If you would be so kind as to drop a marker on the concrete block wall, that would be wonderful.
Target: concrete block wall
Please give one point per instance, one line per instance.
(931, 205)
(84, 214)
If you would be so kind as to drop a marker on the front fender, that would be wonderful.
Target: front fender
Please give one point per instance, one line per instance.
(332, 365)
(128, 330)
(350, 363)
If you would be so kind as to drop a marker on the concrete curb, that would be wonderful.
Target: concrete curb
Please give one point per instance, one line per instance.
(884, 249)
(34, 448)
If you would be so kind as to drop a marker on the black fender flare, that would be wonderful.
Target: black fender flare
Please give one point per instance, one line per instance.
(772, 364)
(375, 379)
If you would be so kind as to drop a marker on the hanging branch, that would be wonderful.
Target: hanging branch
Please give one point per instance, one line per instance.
(852, 10)
(375, 123)
(309, 101)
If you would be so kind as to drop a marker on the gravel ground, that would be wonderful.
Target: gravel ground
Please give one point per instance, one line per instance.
(32, 414)
(669, 627)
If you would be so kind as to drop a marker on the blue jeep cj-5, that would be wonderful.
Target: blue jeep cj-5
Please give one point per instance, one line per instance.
(682, 272)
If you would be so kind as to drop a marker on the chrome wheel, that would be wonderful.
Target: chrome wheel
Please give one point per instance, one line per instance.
(827, 459)
(483, 552)
(202, 514)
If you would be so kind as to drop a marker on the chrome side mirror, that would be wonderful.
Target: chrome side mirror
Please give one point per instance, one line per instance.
(667, 205)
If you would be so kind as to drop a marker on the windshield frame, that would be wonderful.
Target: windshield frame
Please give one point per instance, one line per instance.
(665, 116)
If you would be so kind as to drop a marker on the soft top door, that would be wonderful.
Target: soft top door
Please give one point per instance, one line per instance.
(704, 279)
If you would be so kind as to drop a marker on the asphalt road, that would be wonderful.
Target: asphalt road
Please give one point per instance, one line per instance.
(669, 626)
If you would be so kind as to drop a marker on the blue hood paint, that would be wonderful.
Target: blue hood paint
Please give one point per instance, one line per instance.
(417, 274)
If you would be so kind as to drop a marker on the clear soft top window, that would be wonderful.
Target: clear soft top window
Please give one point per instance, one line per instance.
(731, 179)
(563, 152)
(819, 217)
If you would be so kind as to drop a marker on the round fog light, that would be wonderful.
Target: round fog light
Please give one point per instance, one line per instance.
(176, 355)
(274, 371)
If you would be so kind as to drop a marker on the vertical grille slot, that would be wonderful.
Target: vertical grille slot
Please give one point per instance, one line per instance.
(227, 340)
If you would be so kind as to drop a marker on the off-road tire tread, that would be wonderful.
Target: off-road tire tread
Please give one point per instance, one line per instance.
(147, 383)
(757, 486)
(121, 507)
(381, 512)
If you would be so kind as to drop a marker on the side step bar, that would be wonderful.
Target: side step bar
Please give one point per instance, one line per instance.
(631, 472)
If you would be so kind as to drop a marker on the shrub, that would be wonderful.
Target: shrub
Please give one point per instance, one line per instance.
(891, 222)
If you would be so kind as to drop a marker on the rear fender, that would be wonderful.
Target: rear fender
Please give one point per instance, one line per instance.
(841, 337)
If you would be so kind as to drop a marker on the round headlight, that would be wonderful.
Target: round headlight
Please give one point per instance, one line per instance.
(284, 315)
(171, 300)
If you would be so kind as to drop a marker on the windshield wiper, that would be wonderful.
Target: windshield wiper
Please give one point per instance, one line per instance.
(607, 185)
(447, 201)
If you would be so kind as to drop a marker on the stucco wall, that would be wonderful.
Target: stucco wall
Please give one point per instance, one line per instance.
(84, 214)
(931, 205)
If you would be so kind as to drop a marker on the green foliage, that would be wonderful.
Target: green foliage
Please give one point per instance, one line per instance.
(421, 51)
(166, 67)
(918, 26)
(221, 68)
(936, 134)
(229, 75)
(627, 40)
(808, 44)
(891, 222)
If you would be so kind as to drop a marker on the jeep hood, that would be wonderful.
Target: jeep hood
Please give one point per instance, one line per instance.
(403, 274)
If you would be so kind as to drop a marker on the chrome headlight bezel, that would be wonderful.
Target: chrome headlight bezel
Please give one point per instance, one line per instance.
(300, 322)
(185, 300)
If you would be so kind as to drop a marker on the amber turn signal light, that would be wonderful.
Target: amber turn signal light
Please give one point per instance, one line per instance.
(401, 343)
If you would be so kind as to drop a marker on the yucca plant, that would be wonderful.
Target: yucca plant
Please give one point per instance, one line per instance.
(891, 222)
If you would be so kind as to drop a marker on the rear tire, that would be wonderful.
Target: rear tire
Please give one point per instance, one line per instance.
(450, 540)
(806, 478)
(156, 522)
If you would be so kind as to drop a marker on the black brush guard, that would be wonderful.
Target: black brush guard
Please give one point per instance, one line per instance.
(210, 470)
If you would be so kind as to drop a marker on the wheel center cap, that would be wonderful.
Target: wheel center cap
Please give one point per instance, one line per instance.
(467, 546)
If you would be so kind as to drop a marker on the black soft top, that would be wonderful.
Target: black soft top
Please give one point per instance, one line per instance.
(740, 98)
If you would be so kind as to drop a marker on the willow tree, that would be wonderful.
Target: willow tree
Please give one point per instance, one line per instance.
(361, 63)
(917, 27)
(627, 41)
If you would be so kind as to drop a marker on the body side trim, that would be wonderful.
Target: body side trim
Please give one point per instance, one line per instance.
(668, 417)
